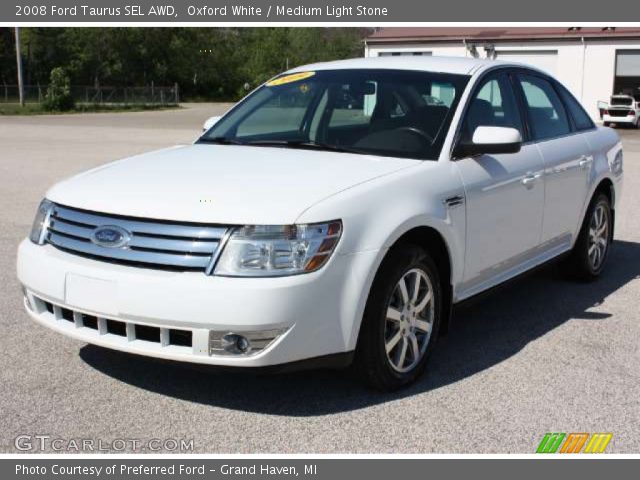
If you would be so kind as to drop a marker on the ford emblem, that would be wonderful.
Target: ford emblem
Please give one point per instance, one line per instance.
(110, 236)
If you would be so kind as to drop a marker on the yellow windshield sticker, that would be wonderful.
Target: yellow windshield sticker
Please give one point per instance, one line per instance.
(294, 77)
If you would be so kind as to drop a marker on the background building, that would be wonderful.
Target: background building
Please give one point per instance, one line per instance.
(593, 62)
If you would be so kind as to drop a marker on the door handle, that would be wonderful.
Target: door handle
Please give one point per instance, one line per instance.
(530, 179)
(585, 162)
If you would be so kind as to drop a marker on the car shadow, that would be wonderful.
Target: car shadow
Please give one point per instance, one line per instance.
(484, 333)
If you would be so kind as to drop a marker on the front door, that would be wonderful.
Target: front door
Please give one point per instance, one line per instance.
(504, 193)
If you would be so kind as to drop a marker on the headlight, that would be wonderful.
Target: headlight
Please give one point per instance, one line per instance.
(41, 222)
(278, 250)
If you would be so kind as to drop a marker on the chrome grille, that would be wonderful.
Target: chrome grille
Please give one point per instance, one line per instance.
(153, 243)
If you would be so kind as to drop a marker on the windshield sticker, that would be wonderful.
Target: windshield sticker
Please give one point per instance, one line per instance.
(294, 77)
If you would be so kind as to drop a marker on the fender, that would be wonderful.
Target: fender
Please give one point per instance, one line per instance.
(602, 170)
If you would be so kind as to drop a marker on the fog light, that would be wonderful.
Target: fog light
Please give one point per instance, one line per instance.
(245, 343)
(234, 343)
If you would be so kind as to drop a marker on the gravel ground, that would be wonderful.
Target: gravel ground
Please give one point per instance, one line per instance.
(541, 355)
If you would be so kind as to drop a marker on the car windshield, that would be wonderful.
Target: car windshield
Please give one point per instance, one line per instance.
(382, 112)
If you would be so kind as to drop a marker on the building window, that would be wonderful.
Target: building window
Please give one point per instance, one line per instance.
(403, 54)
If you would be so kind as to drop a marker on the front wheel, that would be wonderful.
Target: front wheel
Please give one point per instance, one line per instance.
(401, 319)
(591, 249)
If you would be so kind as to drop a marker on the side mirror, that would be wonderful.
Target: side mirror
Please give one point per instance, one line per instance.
(210, 123)
(490, 140)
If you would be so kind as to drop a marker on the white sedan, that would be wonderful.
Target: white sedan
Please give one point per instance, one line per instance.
(622, 110)
(332, 217)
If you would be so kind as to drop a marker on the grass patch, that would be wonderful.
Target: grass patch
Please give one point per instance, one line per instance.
(36, 108)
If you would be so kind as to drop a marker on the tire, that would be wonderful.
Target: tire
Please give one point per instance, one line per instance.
(411, 328)
(607, 124)
(589, 254)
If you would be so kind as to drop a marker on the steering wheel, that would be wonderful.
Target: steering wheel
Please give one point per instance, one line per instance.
(417, 132)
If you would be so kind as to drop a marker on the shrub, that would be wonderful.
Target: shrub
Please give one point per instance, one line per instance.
(58, 98)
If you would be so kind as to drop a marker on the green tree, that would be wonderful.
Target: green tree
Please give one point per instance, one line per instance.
(7, 56)
(58, 98)
(207, 63)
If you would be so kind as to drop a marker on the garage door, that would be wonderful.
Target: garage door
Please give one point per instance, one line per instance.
(627, 79)
(546, 60)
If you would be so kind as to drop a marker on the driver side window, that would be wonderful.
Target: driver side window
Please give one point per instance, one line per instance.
(493, 105)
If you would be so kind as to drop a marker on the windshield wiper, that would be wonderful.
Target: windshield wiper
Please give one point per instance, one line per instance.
(221, 141)
(310, 144)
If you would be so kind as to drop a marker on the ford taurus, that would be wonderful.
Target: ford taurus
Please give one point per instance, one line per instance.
(332, 217)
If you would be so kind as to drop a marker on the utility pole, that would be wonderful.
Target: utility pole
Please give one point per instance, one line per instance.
(19, 64)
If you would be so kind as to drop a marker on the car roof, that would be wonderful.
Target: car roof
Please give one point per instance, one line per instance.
(428, 63)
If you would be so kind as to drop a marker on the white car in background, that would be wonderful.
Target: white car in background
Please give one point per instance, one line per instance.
(622, 110)
(333, 216)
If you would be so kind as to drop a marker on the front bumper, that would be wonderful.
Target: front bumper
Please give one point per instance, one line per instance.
(314, 315)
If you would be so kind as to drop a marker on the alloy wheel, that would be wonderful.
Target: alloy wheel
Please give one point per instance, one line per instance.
(409, 320)
(598, 236)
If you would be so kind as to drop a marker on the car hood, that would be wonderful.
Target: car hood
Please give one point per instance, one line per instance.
(227, 184)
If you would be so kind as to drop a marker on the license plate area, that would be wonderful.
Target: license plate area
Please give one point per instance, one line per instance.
(92, 294)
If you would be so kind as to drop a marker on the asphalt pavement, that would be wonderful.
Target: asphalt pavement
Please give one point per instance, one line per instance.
(541, 355)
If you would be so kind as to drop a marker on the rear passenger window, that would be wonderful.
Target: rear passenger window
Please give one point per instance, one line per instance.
(581, 119)
(547, 116)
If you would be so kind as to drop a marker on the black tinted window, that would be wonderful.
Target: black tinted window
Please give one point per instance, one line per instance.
(547, 116)
(581, 119)
(493, 105)
(385, 112)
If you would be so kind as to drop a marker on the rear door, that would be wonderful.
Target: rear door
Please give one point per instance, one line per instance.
(565, 152)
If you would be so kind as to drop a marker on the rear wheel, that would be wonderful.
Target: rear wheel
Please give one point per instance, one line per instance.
(591, 249)
(607, 124)
(401, 319)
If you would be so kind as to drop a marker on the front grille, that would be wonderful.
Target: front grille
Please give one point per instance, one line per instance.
(145, 332)
(619, 113)
(67, 314)
(89, 321)
(180, 337)
(163, 337)
(117, 328)
(131, 335)
(152, 243)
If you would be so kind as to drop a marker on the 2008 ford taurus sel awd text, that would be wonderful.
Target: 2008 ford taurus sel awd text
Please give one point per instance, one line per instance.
(332, 217)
